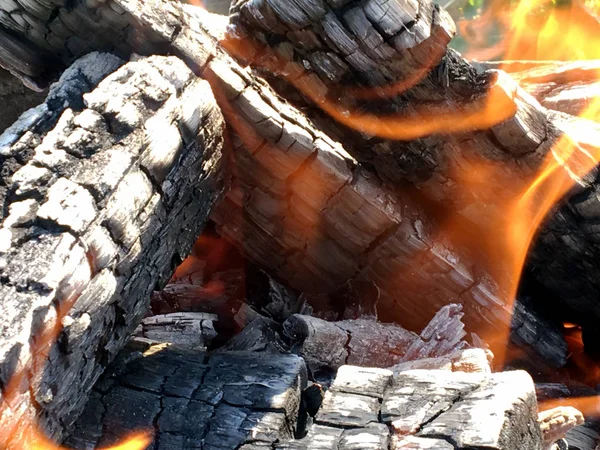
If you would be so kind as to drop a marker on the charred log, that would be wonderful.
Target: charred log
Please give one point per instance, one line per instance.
(328, 345)
(249, 401)
(188, 399)
(103, 193)
(338, 52)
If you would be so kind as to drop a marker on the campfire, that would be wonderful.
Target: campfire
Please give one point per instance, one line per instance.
(300, 225)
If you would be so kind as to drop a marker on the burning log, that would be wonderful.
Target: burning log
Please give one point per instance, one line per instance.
(301, 205)
(355, 62)
(569, 87)
(106, 186)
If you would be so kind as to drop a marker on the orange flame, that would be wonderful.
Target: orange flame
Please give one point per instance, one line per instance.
(493, 108)
(34, 440)
(532, 30)
(571, 157)
(589, 406)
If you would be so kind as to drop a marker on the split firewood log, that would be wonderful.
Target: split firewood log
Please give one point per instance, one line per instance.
(105, 188)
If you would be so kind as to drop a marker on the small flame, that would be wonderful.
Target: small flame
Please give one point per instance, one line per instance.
(532, 30)
(589, 406)
(34, 440)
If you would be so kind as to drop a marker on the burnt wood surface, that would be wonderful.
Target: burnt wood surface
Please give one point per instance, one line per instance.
(16, 98)
(363, 342)
(188, 399)
(240, 400)
(338, 49)
(301, 205)
(105, 188)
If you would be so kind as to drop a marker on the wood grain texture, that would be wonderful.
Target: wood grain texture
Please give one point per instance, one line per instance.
(16, 99)
(363, 342)
(369, 408)
(105, 188)
(189, 399)
(241, 400)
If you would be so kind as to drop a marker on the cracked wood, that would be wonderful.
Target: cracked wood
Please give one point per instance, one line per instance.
(105, 187)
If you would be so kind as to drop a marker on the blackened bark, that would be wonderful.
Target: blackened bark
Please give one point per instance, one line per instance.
(103, 193)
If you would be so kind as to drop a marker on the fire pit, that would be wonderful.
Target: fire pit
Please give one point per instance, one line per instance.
(305, 225)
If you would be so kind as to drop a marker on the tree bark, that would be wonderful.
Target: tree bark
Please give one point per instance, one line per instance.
(105, 190)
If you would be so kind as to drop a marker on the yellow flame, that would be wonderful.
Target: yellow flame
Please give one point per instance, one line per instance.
(33, 440)
(534, 30)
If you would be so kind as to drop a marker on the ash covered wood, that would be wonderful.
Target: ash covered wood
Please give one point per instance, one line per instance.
(556, 422)
(367, 342)
(456, 406)
(103, 191)
(469, 360)
(371, 409)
